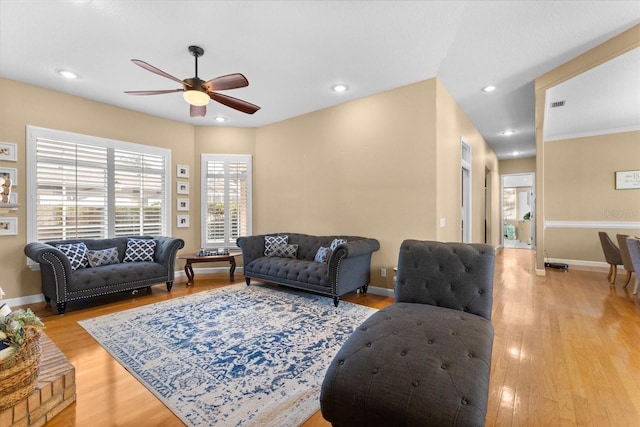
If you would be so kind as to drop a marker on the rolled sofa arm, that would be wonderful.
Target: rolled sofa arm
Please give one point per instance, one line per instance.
(356, 248)
(167, 249)
(55, 268)
(48, 255)
(252, 247)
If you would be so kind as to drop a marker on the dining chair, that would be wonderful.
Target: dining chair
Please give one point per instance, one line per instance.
(633, 243)
(626, 258)
(611, 255)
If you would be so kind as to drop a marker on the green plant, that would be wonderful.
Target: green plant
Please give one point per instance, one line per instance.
(527, 216)
(13, 327)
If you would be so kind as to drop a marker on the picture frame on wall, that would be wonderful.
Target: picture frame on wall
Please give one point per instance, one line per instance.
(11, 173)
(8, 200)
(183, 187)
(182, 171)
(628, 180)
(183, 221)
(8, 226)
(8, 151)
(183, 205)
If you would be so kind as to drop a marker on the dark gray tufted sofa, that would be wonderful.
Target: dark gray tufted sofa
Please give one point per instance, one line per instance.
(60, 284)
(348, 267)
(424, 360)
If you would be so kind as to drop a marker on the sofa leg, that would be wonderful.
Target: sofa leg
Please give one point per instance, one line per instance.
(336, 300)
(364, 288)
(248, 280)
(47, 299)
(169, 286)
(61, 306)
(148, 289)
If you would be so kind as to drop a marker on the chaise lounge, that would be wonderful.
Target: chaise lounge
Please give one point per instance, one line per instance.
(424, 360)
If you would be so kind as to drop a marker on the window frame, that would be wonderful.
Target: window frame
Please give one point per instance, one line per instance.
(34, 133)
(226, 158)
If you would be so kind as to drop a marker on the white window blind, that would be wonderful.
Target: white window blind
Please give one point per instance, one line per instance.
(226, 199)
(86, 187)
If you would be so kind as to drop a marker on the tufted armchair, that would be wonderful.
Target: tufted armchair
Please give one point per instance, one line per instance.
(424, 360)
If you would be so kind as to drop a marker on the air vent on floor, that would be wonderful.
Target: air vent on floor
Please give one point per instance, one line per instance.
(557, 104)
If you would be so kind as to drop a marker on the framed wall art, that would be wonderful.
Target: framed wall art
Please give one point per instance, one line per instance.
(183, 221)
(8, 151)
(182, 171)
(8, 226)
(11, 173)
(627, 180)
(183, 205)
(183, 188)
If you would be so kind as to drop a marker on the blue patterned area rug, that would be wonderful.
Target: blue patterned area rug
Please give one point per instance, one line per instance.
(235, 356)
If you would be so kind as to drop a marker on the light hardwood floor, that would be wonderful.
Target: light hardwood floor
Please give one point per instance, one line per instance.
(566, 351)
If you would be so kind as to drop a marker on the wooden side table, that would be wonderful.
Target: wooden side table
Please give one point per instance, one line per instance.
(194, 258)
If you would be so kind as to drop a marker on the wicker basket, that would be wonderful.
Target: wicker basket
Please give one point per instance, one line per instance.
(19, 374)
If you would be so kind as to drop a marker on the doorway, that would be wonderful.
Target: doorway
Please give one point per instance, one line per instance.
(466, 192)
(518, 209)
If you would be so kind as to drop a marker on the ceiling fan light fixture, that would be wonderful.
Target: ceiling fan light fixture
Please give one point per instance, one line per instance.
(196, 97)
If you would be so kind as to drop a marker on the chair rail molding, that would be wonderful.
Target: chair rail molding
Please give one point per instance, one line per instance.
(593, 224)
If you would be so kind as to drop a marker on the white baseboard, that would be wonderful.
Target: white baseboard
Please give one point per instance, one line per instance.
(29, 299)
(376, 290)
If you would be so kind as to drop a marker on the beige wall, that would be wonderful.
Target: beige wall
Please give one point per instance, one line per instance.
(511, 166)
(557, 177)
(586, 191)
(452, 126)
(386, 166)
(22, 105)
(365, 167)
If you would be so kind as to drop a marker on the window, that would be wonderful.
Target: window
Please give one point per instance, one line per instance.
(226, 199)
(88, 187)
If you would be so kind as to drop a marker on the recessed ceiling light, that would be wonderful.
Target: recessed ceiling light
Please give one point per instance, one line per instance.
(489, 88)
(508, 132)
(515, 153)
(220, 119)
(67, 74)
(339, 88)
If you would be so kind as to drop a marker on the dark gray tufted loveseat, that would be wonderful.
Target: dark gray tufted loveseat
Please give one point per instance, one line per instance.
(424, 360)
(347, 269)
(61, 284)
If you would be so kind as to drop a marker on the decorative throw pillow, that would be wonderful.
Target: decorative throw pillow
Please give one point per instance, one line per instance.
(284, 251)
(103, 257)
(140, 250)
(323, 254)
(336, 243)
(77, 254)
(270, 241)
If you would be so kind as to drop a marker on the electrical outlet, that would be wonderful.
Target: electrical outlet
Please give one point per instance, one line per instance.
(383, 272)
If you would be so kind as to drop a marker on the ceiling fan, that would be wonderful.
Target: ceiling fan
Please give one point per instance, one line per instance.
(198, 92)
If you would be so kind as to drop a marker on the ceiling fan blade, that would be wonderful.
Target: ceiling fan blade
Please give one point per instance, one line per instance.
(230, 81)
(197, 111)
(152, 92)
(155, 70)
(235, 103)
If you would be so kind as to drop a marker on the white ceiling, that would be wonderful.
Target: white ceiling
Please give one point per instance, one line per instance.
(293, 51)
